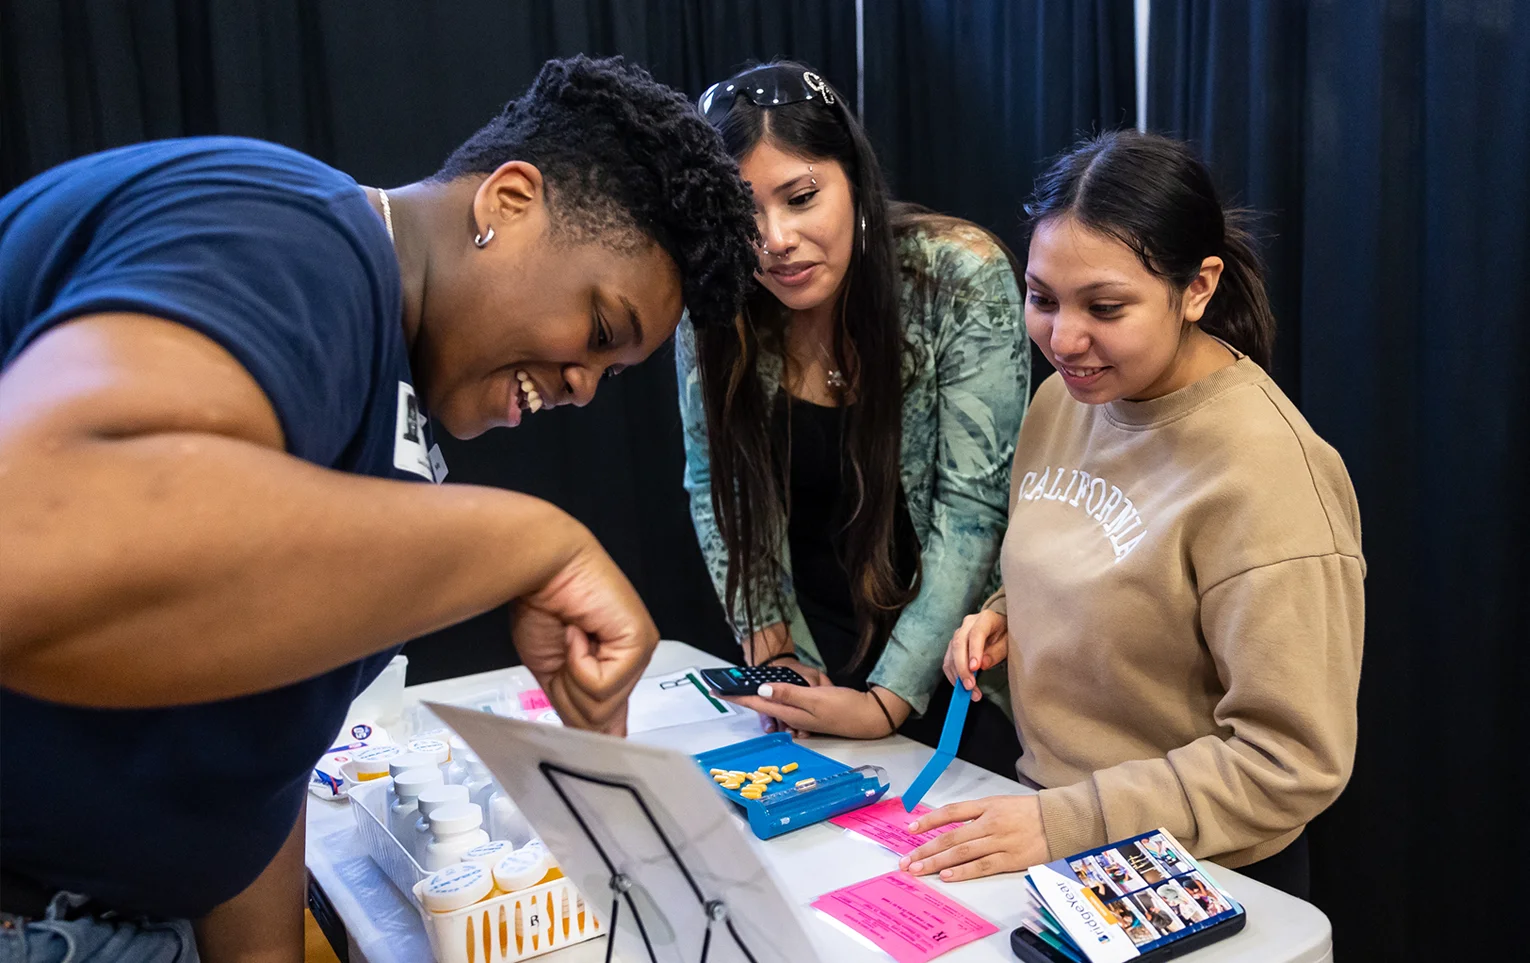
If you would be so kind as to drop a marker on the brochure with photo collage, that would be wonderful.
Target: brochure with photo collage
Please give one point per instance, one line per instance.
(1127, 899)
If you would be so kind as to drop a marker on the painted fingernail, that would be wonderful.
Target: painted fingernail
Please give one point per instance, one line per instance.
(945, 874)
(765, 691)
(913, 827)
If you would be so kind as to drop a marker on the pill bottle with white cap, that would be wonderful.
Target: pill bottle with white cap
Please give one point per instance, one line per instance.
(506, 820)
(373, 762)
(429, 800)
(456, 887)
(437, 749)
(404, 811)
(521, 869)
(454, 829)
(457, 770)
(489, 853)
(408, 760)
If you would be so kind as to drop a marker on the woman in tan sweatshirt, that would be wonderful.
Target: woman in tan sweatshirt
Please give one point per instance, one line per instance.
(1183, 609)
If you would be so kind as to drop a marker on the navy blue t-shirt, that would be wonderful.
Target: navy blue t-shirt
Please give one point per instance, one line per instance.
(283, 262)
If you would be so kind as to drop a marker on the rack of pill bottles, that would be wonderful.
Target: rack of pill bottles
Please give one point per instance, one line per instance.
(431, 816)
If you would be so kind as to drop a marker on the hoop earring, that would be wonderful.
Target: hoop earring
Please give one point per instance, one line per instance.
(482, 240)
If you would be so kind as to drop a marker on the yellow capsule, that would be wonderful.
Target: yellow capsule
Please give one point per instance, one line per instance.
(775, 777)
(789, 767)
(751, 795)
(807, 783)
(718, 772)
(738, 773)
(732, 784)
(770, 769)
(719, 778)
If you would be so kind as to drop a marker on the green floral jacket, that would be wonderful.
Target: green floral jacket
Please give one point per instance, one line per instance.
(970, 364)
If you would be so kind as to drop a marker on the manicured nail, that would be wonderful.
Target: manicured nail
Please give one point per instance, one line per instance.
(945, 874)
(903, 863)
(916, 867)
(913, 827)
(765, 691)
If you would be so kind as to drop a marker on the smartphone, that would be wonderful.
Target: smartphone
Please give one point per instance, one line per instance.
(1033, 949)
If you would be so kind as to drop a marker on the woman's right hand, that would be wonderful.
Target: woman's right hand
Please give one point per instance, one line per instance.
(980, 642)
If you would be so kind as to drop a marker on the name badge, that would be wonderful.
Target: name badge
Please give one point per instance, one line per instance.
(409, 438)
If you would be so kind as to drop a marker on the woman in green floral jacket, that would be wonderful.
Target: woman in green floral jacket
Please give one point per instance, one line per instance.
(848, 445)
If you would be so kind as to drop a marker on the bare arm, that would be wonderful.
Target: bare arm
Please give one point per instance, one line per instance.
(158, 547)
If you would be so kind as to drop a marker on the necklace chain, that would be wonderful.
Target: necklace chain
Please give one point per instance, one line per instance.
(382, 196)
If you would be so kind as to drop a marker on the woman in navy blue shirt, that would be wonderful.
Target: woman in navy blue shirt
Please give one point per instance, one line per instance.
(216, 361)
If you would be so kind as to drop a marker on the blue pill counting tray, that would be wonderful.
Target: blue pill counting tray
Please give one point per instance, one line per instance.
(836, 788)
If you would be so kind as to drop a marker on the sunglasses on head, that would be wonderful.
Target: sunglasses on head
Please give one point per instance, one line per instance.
(773, 85)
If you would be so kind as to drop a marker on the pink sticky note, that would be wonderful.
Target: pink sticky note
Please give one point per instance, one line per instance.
(905, 918)
(886, 822)
(533, 699)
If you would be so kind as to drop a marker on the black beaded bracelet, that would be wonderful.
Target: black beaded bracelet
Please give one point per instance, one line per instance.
(892, 727)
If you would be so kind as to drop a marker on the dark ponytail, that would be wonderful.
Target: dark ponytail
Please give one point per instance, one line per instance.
(1155, 196)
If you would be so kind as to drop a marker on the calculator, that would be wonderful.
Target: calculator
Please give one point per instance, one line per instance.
(746, 679)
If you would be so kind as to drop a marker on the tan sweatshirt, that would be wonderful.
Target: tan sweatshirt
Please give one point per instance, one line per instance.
(1182, 579)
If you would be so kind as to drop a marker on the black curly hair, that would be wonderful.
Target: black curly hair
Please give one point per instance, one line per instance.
(623, 156)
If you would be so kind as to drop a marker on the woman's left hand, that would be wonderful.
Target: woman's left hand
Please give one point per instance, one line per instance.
(830, 710)
(1002, 835)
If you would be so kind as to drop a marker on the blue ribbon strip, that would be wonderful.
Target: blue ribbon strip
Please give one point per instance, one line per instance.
(950, 738)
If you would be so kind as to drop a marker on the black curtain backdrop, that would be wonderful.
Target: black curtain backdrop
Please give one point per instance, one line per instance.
(384, 90)
(1391, 143)
(967, 100)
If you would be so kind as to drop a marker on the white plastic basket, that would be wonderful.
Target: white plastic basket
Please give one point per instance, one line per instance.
(516, 926)
(369, 805)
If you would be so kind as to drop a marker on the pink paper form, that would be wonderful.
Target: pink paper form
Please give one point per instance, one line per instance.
(905, 918)
(533, 699)
(886, 822)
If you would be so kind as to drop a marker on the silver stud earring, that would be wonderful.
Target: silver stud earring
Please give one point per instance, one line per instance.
(863, 232)
(482, 240)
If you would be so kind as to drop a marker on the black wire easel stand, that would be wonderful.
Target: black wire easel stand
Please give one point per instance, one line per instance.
(715, 909)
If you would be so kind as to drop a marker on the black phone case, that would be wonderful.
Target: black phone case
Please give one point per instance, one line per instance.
(1033, 949)
(720, 680)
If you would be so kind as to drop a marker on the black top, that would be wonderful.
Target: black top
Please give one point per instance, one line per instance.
(822, 492)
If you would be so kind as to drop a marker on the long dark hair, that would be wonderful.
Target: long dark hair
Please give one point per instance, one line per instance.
(1155, 196)
(748, 484)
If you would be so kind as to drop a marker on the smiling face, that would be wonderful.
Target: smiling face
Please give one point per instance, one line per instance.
(1112, 328)
(537, 316)
(807, 224)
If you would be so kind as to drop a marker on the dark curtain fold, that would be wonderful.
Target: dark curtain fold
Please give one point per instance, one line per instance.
(1391, 143)
(967, 100)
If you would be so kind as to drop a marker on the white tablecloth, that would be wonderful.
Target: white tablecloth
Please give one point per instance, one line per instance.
(383, 927)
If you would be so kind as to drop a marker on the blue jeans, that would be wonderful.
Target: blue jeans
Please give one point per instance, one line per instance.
(91, 940)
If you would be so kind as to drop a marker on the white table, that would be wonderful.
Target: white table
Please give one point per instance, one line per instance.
(383, 927)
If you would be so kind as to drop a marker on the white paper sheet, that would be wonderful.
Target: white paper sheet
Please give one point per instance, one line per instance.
(661, 701)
